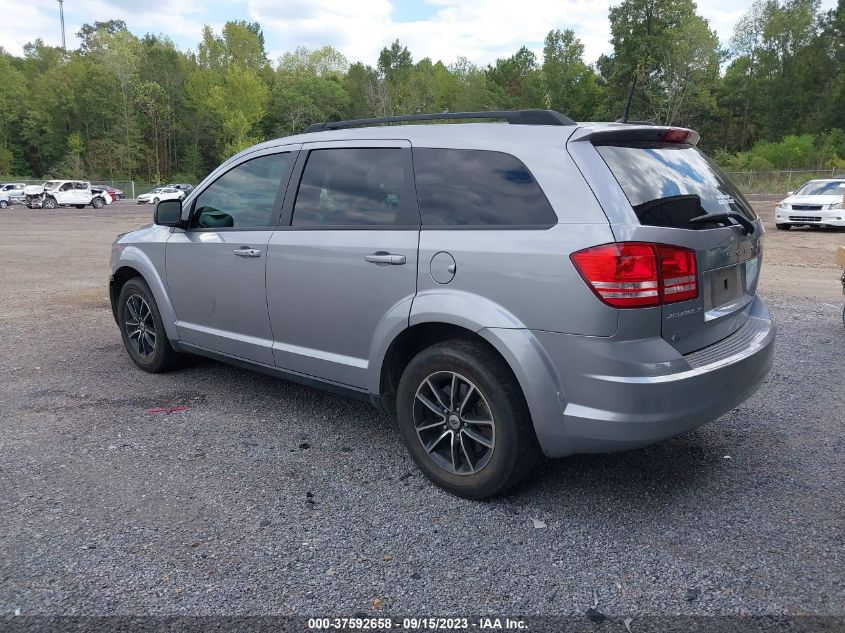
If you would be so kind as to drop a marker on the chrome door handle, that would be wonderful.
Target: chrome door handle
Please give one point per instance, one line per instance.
(245, 251)
(382, 257)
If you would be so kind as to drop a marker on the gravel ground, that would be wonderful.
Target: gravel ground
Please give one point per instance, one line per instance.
(265, 497)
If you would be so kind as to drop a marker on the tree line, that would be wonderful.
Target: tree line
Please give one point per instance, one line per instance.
(121, 107)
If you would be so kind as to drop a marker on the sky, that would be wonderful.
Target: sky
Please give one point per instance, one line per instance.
(480, 30)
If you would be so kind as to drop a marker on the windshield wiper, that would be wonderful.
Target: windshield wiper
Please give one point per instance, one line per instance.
(726, 216)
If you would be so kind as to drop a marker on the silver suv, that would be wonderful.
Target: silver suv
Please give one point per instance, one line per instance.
(507, 290)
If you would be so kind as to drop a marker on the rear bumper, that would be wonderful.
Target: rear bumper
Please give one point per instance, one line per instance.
(618, 395)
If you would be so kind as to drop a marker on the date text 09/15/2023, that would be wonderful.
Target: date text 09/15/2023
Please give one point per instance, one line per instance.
(415, 624)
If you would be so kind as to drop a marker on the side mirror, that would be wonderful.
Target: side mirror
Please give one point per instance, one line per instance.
(789, 193)
(168, 213)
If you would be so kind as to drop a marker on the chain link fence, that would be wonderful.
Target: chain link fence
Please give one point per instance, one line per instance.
(779, 182)
(131, 188)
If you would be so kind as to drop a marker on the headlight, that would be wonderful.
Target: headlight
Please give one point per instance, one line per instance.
(832, 205)
(782, 206)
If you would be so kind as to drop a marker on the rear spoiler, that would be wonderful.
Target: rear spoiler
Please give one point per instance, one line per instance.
(623, 132)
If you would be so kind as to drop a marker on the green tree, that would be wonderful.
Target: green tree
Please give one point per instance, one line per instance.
(90, 35)
(75, 146)
(323, 62)
(120, 54)
(518, 80)
(238, 102)
(12, 100)
(570, 85)
(644, 35)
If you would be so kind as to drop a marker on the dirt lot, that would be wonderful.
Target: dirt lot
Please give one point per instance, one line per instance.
(268, 497)
(799, 262)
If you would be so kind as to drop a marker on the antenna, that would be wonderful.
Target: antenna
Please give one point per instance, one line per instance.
(62, 18)
(624, 118)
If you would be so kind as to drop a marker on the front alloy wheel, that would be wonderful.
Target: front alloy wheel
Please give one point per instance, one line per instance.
(142, 329)
(454, 423)
(140, 326)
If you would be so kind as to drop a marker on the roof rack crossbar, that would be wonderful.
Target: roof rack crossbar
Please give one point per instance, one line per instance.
(518, 117)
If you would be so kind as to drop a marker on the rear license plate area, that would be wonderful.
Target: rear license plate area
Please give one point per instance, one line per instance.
(722, 286)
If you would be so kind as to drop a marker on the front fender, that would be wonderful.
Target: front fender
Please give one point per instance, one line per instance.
(148, 259)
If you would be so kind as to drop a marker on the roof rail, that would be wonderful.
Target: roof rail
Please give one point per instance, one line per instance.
(519, 117)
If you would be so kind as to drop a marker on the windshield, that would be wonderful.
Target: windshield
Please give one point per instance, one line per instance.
(822, 188)
(669, 184)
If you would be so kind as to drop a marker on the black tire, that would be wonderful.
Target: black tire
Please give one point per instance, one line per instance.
(4, 204)
(155, 200)
(49, 203)
(514, 453)
(783, 227)
(98, 202)
(160, 356)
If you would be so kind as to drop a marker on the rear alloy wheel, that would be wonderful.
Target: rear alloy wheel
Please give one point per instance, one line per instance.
(454, 423)
(464, 419)
(49, 203)
(783, 227)
(142, 329)
(4, 204)
(98, 203)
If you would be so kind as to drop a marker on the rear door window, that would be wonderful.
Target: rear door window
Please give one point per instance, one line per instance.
(669, 184)
(479, 188)
(354, 188)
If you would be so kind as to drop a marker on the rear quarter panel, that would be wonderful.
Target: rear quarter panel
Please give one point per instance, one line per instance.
(519, 278)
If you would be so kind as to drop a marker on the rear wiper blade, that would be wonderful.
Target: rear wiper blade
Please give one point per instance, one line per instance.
(747, 225)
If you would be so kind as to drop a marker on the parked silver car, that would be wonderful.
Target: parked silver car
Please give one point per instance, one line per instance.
(506, 290)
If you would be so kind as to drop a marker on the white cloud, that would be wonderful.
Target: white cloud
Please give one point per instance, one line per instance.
(25, 21)
(481, 30)
(182, 20)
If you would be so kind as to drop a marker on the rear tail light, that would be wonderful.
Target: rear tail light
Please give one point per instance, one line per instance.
(638, 274)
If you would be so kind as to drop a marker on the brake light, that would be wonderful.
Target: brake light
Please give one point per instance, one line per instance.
(638, 274)
(675, 135)
(677, 273)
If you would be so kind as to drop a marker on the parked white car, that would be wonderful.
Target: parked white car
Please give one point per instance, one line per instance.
(816, 203)
(72, 193)
(14, 191)
(161, 193)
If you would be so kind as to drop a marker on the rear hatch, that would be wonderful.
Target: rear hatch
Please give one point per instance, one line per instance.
(680, 197)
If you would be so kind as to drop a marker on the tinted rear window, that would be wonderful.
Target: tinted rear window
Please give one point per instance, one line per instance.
(352, 187)
(458, 187)
(669, 184)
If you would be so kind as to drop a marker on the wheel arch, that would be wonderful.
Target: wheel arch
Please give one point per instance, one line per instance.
(517, 347)
(134, 262)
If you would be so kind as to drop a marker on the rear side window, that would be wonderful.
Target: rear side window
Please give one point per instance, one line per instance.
(669, 184)
(457, 187)
(353, 187)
